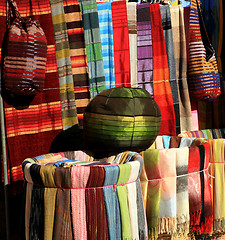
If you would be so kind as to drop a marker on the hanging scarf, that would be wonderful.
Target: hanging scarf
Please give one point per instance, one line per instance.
(168, 36)
(121, 44)
(78, 57)
(93, 46)
(161, 85)
(63, 229)
(152, 171)
(125, 170)
(144, 48)
(69, 113)
(182, 156)
(97, 228)
(167, 209)
(175, 142)
(132, 29)
(180, 54)
(112, 203)
(166, 141)
(132, 198)
(80, 175)
(106, 34)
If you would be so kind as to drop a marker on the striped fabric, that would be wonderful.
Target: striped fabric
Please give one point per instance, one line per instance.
(78, 57)
(204, 82)
(106, 34)
(121, 44)
(168, 36)
(144, 48)
(69, 114)
(132, 29)
(161, 85)
(179, 40)
(93, 46)
(39, 123)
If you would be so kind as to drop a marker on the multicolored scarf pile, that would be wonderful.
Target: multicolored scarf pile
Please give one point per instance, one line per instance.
(93, 46)
(161, 85)
(144, 48)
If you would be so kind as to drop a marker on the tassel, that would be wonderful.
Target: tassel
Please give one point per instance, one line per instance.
(195, 218)
(167, 225)
(153, 233)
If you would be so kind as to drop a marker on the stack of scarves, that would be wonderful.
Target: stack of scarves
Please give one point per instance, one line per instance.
(176, 187)
(80, 199)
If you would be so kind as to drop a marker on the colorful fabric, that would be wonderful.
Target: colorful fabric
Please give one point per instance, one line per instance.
(161, 85)
(166, 141)
(144, 48)
(93, 46)
(106, 34)
(168, 36)
(179, 40)
(69, 113)
(42, 119)
(125, 170)
(175, 142)
(78, 57)
(132, 29)
(121, 44)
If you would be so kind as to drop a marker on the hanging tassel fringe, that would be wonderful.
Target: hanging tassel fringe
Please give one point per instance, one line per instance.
(167, 225)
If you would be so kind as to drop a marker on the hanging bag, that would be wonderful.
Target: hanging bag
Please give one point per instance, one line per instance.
(203, 77)
(25, 55)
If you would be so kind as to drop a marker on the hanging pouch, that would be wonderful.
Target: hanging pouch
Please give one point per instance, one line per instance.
(25, 55)
(203, 76)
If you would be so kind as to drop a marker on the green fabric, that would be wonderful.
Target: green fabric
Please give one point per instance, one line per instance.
(151, 162)
(125, 171)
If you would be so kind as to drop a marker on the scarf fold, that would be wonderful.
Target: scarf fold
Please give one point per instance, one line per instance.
(93, 46)
(69, 113)
(124, 175)
(132, 29)
(144, 48)
(112, 202)
(121, 44)
(63, 230)
(168, 36)
(161, 85)
(106, 34)
(78, 56)
(175, 142)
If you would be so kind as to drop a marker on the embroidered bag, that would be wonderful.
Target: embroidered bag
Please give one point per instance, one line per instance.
(25, 55)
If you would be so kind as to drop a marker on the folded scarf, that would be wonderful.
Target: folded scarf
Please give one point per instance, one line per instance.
(125, 170)
(166, 141)
(80, 175)
(121, 44)
(106, 34)
(132, 198)
(132, 29)
(112, 202)
(153, 180)
(96, 216)
(182, 156)
(161, 85)
(144, 48)
(167, 209)
(168, 36)
(93, 46)
(175, 142)
(63, 229)
(186, 142)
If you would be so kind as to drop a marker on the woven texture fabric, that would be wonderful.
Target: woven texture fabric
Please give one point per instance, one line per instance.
(204, 81)
(121, 44)
(69, 113)
(106, 34)
(42, 119)
(93, 46)
(161, 85)
(114, 120)
(78, 56)
(144, 48)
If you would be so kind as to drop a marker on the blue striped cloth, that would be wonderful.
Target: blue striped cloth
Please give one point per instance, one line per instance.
(106, 35)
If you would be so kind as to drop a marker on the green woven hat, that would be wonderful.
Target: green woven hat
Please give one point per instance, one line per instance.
(121, 119)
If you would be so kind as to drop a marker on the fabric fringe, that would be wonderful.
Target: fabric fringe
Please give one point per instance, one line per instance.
(195, 218)
(152, 233)
(205, 228)
(167, 225)
(182, 225)
(219, 225)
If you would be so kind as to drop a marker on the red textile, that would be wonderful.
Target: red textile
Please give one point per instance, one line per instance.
(32, 124)
(121, 44)
(161, 85)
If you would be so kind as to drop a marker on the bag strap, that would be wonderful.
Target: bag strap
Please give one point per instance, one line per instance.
(13, 7)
